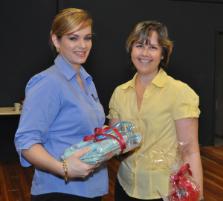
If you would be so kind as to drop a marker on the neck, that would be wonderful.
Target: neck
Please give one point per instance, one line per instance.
(145, 79)
(76, 68)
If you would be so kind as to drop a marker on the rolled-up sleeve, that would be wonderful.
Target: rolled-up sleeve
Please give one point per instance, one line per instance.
(40, 108)
(187, 104)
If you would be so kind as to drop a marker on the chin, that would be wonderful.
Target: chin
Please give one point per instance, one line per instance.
(82, 61)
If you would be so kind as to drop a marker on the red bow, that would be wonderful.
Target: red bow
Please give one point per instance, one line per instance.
(102, 132)
(183, 188)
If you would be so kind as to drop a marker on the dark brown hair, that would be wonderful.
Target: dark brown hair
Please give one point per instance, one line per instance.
(142, 31)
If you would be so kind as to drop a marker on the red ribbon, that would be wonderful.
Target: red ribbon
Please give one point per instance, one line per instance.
(101, 132)
(183, 188)
(183, 170)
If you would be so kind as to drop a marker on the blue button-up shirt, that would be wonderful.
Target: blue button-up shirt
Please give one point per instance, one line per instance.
(58, 113)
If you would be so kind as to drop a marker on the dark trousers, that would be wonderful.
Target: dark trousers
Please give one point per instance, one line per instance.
(120, 194)
(61, 197)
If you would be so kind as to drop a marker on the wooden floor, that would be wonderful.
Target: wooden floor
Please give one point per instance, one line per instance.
(212, 160)
(15, 181)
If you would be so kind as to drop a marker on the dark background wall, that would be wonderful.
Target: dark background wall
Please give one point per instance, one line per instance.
(192, 25)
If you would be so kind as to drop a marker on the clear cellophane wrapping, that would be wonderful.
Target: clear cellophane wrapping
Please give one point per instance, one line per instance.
(182, 186)
(107, 142)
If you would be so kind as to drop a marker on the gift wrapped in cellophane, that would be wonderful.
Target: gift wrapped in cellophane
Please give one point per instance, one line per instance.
(107, 142)
(182, 186)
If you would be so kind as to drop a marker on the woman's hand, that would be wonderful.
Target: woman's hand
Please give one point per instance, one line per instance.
(41, 159)
(77, 168)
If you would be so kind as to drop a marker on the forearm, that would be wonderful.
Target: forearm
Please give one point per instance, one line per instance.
(187, 134)
(194, 160)
(41, 159)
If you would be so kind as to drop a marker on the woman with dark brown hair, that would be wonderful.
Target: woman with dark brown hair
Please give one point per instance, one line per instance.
(164, 110)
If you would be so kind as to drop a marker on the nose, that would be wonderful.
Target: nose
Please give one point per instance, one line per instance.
(145, 51)
(82, 43)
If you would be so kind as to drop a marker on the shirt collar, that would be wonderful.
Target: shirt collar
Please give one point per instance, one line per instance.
(130, 83)
(67, 70)
(159, 80)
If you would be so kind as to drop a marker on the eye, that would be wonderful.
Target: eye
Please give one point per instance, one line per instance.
(88, 38)
(73, 38)
(153, 47)
(139, 45)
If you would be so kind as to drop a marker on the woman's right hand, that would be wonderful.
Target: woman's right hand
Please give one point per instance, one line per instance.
(41, 159)
(77, 168)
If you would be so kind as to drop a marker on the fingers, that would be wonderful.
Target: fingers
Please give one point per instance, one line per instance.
(97, 165)
(81, 152)
(87, 174)
(77, 168)
(109, 156)
(84, 173)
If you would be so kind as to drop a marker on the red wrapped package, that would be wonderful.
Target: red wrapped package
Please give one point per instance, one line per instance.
(183, 188)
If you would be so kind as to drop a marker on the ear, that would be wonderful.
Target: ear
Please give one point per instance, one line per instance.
(56, 42)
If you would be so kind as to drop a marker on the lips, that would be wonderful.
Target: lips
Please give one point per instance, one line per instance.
(144, 60)
(80, 53)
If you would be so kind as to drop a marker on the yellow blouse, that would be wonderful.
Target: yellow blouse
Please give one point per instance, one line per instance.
(145, 174)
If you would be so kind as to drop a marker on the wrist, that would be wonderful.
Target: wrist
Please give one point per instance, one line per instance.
(65, 170)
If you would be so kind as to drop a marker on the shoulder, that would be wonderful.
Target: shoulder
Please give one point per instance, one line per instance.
(124, 86)
(180, 87)
(186, 100)
(47, 79)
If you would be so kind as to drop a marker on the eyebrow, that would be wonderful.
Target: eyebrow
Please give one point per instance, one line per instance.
(78, 36)
(74, 34)
(147, 42)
